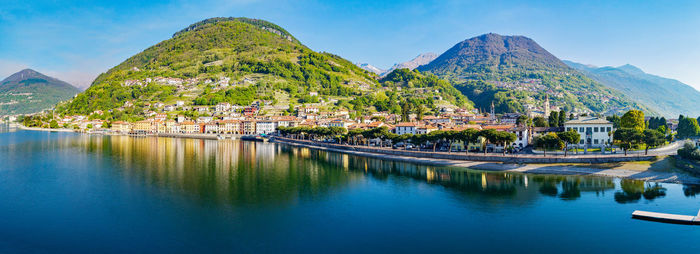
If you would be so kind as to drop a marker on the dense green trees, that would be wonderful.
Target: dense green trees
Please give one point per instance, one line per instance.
(628, 138)
(358, 136)
(539, 121)
(652, 138)
(633, 119)
(687, 127)
(569, 137)
(554, 119)
(548, 141)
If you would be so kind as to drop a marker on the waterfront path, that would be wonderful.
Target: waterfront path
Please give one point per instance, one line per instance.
(491, 157)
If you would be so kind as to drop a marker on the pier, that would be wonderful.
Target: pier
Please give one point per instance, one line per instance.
(667, 218)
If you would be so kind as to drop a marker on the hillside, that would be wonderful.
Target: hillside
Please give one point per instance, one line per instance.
(668, 97)
(29, 91)
(236, 60)
(516, 73)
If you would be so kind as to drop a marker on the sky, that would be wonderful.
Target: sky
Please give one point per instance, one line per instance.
(76, 40)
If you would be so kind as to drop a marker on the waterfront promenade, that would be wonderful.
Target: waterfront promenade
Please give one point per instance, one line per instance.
(488, 157)
(520, 163)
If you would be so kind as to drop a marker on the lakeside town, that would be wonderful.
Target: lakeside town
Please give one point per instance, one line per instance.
(525, 133)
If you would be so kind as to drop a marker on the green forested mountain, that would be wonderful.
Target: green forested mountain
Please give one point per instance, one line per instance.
(235, 60)
(29, 91)
(668, 97)
(516, 73)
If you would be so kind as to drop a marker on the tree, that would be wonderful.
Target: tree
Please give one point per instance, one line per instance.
(53, 124)
(420, 111)
(633, 119)
(615, 119)
(562, 117)
(489, 135)
(405, 111)
(550, 140)
(554, 119)
(653, 138)
(468, 136)
(505, 138)
(539, 121)
(523, 120)
(627, 137)
(569, 137)
(687, 127)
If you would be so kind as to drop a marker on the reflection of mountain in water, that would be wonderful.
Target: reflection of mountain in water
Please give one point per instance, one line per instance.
(260, 173)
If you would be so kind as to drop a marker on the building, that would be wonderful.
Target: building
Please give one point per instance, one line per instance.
(189, 127)
(406, 128)
(265, 126)
(121, 127)
(595, 132)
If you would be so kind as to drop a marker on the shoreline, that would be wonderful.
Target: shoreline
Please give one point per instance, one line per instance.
(527, 168)
(579, 169)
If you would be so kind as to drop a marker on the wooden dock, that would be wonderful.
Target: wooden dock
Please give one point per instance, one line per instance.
(667, 218)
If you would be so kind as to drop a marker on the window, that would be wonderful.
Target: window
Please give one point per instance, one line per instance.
(588, 129)
(568, 128)
(595, 141)
(595, 129)
(609, 129)
(581, 129)
(581, 142)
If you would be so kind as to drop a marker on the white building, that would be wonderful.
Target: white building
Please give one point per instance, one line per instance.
(406, 128)
(522, 136)
(265, 126)
(595, 132)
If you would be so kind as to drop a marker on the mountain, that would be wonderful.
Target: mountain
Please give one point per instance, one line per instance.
(668, 97)
(419, 60)
(29, 91)
(517, 74)
(371, 68)
(235, 60)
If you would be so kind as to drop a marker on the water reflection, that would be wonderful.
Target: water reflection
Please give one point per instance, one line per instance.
(236, 172)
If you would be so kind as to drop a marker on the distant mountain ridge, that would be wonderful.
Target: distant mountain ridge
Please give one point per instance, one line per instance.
(668, 97)
(421, 59)
(29, 91)
(516, 74)
(412, 64)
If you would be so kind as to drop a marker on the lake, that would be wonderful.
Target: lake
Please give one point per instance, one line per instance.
(73, 193)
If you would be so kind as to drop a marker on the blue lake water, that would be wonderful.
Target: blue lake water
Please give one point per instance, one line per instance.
(72, 193)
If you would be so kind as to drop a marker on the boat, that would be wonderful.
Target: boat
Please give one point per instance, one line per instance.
(667, 218)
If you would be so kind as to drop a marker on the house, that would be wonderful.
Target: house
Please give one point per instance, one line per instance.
(250, 111)
(595, 132)
(340, 123)
(425, 129)
(405, 128)
(523, 136)
(223, 107)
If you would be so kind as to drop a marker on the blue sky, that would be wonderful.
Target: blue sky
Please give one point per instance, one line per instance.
(76, 40)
